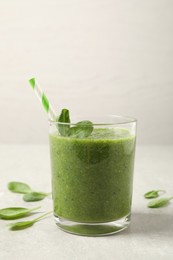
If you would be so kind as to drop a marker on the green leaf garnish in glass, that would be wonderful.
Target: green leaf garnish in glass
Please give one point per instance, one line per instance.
(25, 224)
(81, 129)
(152, 194)
(64, 118)
(14, 212)
(159, 202)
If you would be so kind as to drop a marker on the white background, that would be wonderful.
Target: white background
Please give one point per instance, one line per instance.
(91, 56)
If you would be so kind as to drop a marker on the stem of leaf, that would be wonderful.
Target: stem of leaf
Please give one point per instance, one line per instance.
(42, 216)
(44, 193)
(35, 208)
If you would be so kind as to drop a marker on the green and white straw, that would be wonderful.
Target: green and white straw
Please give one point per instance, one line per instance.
(43, 99)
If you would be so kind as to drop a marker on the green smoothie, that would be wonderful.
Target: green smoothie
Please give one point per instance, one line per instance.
(92, 177)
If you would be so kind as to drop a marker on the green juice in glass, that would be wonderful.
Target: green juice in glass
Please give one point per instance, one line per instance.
(92, 179)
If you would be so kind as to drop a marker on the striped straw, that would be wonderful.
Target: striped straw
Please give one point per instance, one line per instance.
(43, 99)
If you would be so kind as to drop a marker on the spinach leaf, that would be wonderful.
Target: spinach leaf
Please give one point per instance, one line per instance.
(14, 212)
(159, 202)
(19, 187)
(81, 129)
(63, 122)
(26, 224)
(152, 194)
(34, 196)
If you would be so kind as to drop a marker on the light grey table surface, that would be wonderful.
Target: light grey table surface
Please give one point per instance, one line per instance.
(150, 235)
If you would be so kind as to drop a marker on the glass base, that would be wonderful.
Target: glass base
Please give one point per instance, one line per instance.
(93, 229)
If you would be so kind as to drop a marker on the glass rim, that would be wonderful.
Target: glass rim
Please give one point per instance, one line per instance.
(125, 120)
